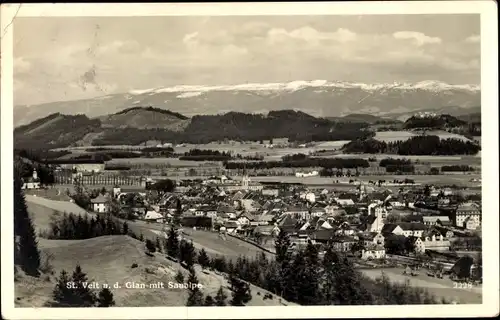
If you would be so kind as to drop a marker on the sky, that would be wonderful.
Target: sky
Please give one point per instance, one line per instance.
(60, 58)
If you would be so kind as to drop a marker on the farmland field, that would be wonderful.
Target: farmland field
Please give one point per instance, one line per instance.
(439, 179)
(169, 162)
(392, 136)
(438, 287)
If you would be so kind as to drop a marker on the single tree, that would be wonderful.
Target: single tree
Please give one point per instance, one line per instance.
(220, 297)
(241, 292)
(209, 301)
(63, 295)
(203, 258)
(150, 246)
(141, 237)
(158, 244)
(195, 297)
(179, 277)
(28, 253)
(188, 253)
(84, 294)
(125, 228)
(105, 298)
(172, 245)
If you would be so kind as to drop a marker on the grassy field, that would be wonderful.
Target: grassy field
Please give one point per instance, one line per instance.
(109, 259)
(43, 209)
(438, 287)
(460, 179)
(392, 136)
(169, 162)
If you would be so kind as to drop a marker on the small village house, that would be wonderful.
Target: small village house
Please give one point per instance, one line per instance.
(373, 252)
(100, 204)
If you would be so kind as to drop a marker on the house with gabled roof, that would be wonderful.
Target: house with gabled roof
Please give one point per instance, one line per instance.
(467, 215)
(321, 236)
(373, 251)
(372, 238)
(100, 204)
(391, 228)
(153, 216)
(344, 243)
(413, 229)
(298, 212)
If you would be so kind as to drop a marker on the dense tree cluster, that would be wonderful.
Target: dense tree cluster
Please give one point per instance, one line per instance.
(461, 168)
(206, 155)
(397, 165)
(338, 163)
(418, 145)
(165, 185)
(294, 125)
(74, 292)
(391, 161)
(443, 121)
(75, 227)
(45, 172)
(40, 155)
(398, 244)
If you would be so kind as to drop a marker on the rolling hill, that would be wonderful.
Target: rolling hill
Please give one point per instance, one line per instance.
(145, 118)
(319, 98)
(55, 131)
(442, 121)
(108, 259)
(138, 125)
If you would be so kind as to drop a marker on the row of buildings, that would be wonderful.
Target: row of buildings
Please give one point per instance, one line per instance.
(359, 219)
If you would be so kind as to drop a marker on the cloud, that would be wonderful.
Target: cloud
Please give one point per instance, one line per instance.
(21, 65)
(253, 51)
(189, 38)
(473, 39)
(418, 38)
(310, 35)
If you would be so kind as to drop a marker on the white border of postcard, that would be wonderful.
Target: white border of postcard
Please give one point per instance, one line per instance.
(489, 83)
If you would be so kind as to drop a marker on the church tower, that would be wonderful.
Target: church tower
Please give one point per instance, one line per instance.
(245, 182)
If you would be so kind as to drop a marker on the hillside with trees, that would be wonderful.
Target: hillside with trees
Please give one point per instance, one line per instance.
(442, 122)
(54, 131)
(135, 126)
(418, 145)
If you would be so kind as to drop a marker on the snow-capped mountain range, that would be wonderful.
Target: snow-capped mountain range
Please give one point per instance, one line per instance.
(195, 90)
(317, 97)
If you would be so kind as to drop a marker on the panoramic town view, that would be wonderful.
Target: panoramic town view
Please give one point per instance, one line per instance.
(214, 168)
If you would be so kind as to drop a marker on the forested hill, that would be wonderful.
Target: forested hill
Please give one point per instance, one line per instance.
(138, 125)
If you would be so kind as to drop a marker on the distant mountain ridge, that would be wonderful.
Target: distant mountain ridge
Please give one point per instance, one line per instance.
(319, 98)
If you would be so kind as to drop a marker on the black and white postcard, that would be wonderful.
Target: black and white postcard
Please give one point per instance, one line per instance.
(249, 160)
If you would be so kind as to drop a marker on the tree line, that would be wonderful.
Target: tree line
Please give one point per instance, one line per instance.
(77, 227)
(296, 126)
(338, 163)
(418, 145)
(461, 168)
